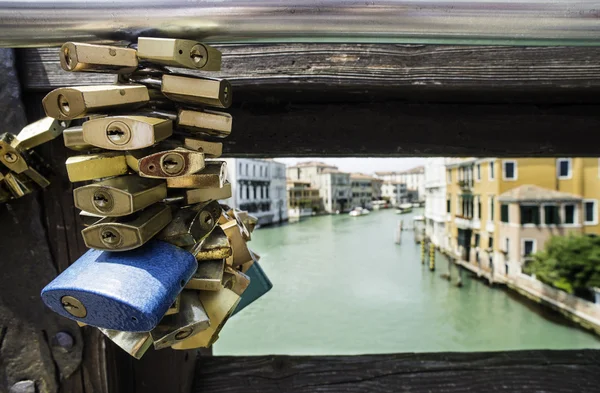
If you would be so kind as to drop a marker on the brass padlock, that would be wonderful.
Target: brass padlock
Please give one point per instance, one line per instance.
(235, 280)
(68, 103)
(10, 156)
(167, 163)
(119, 196)
(239, 216)
(189, 321)
(179, 53)
(208, 277)
(89, 219)
(39, 132)
(199, 195)
(214, 175)
(126, 132)
(75, 56)
(134, 343)
(210, 149)
(73, 139)
(96, 166)
(129, 232)
(204, 91)
(191, 224)
(241, 253)
(174, 309)
(219, 306)
(214, 246)
(206, 122)
(18, 184)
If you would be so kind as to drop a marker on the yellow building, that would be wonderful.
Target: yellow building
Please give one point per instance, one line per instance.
(499, 211)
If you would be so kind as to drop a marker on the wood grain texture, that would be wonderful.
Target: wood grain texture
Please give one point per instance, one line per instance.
(367, 72)
(521, 371)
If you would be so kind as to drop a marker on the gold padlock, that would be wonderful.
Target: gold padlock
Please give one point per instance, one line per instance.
(10, 156)
(210, 149)
(39, 132)
(167, 163)
(204, 91)
(191, 224)
(134, 343)
(199, 195)
(214, 175)
(96, 166)
(75, 56)
(189, 321)
(208, 276)
(206, 122)
(18, 184)
(73, 139)
(174, 309)
(89, 219)
(241, 253)
(119, 196)
(214, 246)
(179, 53)
(68, 103)
(239, 216)
(219, 306)
(129, 232)
(235, 280)
(126, 132)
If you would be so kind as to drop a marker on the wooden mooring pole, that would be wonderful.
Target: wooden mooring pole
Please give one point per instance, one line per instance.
(431, 256)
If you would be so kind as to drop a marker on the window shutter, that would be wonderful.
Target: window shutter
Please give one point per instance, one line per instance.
(536, 215)
(522, 211)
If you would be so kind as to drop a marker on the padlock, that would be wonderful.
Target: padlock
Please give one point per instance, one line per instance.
(214, 246)
(119, 196)
(240, 252)
(259, 285)
(75, 56)
(89, 219)
(179, 53)
(214, 175)
(210, 149)
(191, 224)
(126, 132)
(125, 291)
(39, 132)
(68, 103)
(198, 195)
(219, 305)
(206, 122)
(208, 277)
(166, 163)
(203, 91)
(239, 217)
(96, 166)
(73, 139)
(190, 320)
(18, 184)
(10, 156)
(129, 232)
(134, 343)
(174, 309)
(234, 279)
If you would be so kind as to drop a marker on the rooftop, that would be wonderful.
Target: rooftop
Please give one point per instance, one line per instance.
(333, 170)
(361, 176)
(312, 163)
(418, 169)
(532, 193)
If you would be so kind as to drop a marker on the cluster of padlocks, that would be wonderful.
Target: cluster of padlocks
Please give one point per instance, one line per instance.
(168, 264)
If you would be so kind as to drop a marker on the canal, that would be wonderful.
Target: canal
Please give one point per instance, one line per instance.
(341, 286)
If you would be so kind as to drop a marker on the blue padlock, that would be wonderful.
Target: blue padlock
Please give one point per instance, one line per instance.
(126, 291)
(259, 285)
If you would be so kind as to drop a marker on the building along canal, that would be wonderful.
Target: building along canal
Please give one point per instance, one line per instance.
(342, 286)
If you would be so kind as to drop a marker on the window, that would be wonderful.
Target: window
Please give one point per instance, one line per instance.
(569, 214)
(261, 170)
(479, 207)
(528, 247)
(261, 190)
(509, 170)
(241, 191)
(248, 172)
(492, 216)
(491, 173)
(491, 242)
(448, 204)
(247, 190)
(254, 192)
(240, 168)
(477, 238)
(590, 210)
(504, 213)
(530, 215)
(564, 168)
(507, 245)
(267, 192)
(449, 175)
(551, 216)
(253, 170)
(478, 172)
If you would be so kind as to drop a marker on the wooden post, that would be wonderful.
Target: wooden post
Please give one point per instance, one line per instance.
(423, 250)
(431, 256)
(459, 281)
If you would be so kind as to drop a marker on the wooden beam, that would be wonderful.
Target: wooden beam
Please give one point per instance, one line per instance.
(521, 371)
(373, 72)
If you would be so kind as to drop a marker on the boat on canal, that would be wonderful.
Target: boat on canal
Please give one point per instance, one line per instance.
(404, 208)
(359, 211)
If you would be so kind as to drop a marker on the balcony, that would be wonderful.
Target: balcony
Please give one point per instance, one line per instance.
(465, 185)
(490, 227)
(464, 222)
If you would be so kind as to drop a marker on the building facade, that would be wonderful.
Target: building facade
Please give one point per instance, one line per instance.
(394, 192)
(362, 189)
(435, 200)
(255, 188)
(502, 210)
(303, 200)
(413, 178)
(333, 185)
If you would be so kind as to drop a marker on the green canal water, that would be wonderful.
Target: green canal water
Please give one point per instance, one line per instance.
(342, 286)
